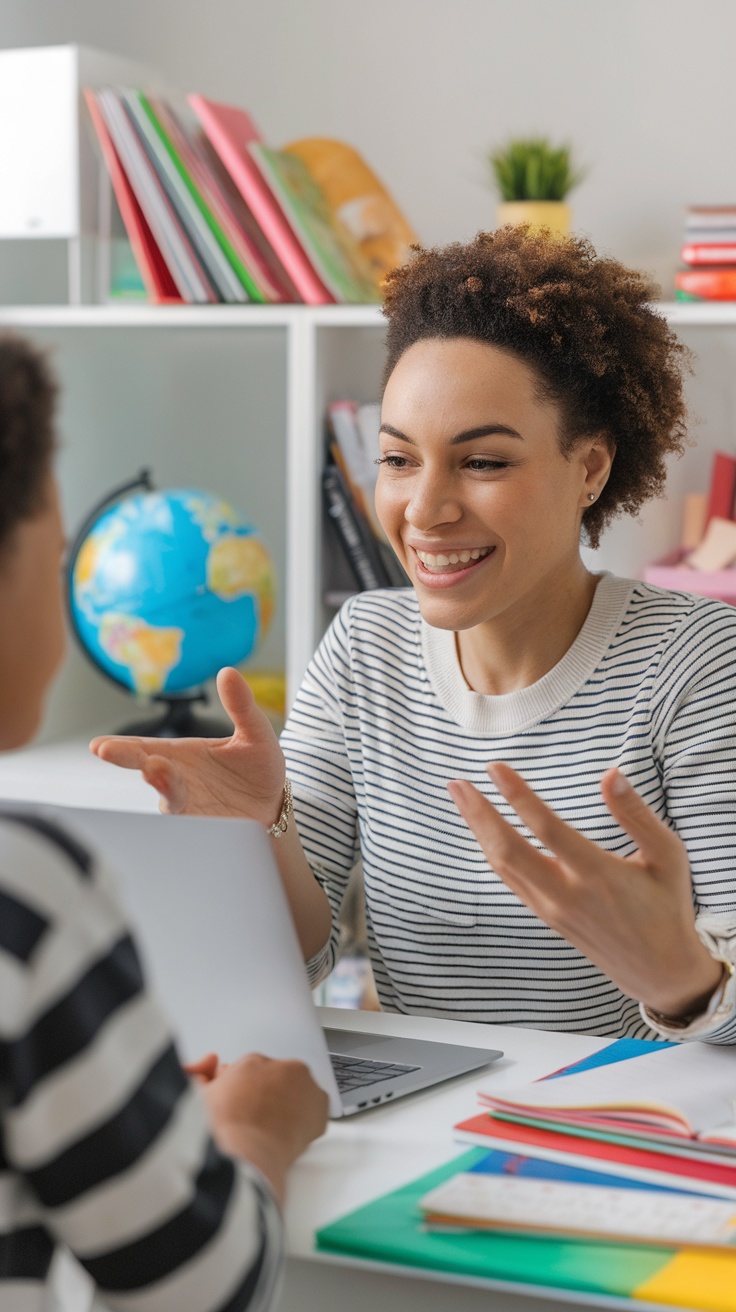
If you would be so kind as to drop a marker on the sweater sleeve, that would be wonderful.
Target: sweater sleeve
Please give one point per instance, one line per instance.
(315, 745)
(106, 1138)
(694, 725)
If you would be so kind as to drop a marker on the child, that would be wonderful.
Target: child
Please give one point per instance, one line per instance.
(105, 1144)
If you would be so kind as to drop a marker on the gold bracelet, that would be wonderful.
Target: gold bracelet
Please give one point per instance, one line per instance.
(279, 828)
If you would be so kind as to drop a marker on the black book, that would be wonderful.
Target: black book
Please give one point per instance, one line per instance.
(354, 533)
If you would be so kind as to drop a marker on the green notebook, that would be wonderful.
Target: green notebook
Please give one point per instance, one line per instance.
(390, 1230)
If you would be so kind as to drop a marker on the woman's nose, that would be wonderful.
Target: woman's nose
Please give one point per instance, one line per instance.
(430, 504)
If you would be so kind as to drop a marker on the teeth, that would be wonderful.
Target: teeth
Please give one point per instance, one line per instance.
(430, 560)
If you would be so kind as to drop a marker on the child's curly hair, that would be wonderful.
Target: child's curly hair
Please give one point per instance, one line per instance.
(585, 324)
(27, 438)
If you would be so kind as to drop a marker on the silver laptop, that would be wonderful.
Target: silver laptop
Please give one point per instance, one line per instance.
(213, 926)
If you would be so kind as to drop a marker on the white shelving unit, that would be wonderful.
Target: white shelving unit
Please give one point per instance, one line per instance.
(274, 367)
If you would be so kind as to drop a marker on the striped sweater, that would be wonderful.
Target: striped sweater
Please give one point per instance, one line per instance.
(104, 1142)
(384, 719)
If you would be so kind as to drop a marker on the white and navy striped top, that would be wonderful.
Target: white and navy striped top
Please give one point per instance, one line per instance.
(104, 1142)
(384, 719)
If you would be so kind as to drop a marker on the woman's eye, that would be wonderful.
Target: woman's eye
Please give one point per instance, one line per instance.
(482, 464)
(393, 462)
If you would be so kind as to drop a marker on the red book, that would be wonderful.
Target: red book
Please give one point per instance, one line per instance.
(722, 488)
(154, 271)
(709, 284)
(635, 1163)
(708, 253)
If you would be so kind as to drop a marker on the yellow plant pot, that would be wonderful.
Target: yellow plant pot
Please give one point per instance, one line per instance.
(553, 214)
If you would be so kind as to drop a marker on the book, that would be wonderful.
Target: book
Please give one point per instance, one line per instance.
(716, 284)
(686, 1092)
(698, 253)
(353, 531)
(710, 216)
(717, 550)
(187, 273)
(157, 280)
(621, 1156)
(722, 489)
(230, 132)
(195, 217)
(471, 1200)
(390, 1230)
(330, 249)
(263, 277)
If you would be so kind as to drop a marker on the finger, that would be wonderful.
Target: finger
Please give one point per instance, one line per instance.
(578, 852)
(129, 753)
(514, 859)
(240, 705)
(655, 840)
(205, 1068)
(161, 775)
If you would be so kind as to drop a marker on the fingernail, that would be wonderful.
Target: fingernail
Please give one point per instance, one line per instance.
(620, 786)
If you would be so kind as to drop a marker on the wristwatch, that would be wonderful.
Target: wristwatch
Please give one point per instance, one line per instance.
(684, 1022)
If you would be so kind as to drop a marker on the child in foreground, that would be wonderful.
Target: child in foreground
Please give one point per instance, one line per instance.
(168, 1194)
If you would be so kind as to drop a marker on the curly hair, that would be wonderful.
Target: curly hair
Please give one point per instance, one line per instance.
(584, 323)
(28, 393)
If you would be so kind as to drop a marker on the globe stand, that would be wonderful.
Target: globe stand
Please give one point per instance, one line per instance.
(179, 720)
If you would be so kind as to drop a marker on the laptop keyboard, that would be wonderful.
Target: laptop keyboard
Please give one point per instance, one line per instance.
(355, 1073)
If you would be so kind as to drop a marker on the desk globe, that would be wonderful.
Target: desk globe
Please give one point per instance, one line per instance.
(164, 588)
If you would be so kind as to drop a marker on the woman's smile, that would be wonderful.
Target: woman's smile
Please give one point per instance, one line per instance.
(443, 569)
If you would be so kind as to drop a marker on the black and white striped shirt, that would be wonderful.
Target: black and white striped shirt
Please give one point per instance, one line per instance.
(104, 1142)
(384, 719)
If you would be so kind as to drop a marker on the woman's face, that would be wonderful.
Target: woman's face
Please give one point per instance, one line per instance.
(474, 493)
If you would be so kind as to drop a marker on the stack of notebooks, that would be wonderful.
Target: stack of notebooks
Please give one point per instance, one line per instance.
(709, 252)
(615, 1177)
(213, 215)
(348, 487)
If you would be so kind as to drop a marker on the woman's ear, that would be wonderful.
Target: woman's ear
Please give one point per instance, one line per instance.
(597, 455)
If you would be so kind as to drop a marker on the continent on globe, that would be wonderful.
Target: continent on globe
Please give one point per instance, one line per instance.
(238, 565)
(148, 653)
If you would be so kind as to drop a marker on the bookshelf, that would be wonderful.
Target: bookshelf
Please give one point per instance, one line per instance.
(227, 397)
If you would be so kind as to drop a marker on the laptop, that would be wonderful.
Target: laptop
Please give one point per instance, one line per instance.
(219, 947)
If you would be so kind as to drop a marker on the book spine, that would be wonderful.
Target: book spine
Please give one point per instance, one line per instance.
(711, 284)
(707, 253)
(354, 535)
(722, 487)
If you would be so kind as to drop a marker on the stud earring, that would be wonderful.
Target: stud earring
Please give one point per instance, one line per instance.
(591, 496)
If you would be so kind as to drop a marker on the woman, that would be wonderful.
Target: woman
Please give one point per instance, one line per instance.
(530, 396)
(105, 1146)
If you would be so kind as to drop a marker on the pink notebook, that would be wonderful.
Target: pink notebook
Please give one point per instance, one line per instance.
(230, 132)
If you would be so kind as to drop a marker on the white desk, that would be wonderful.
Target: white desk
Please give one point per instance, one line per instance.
(365, 1155)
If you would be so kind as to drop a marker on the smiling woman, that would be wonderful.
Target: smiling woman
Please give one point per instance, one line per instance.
(531, 394)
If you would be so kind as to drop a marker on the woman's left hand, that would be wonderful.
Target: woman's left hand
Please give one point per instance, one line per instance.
(632, 917)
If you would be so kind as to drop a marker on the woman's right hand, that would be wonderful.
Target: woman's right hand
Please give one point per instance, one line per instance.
(238, 776)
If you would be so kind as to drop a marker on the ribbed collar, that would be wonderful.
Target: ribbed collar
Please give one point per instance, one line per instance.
(513, 712)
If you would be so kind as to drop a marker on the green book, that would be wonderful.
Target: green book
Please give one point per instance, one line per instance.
(244, 274)
(391, 1229)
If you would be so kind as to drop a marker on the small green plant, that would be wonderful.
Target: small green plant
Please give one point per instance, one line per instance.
(533, 169)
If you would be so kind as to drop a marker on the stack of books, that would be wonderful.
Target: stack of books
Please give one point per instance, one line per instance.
(616, 1176)
(214, 215)
(709, 252)
(348, 487)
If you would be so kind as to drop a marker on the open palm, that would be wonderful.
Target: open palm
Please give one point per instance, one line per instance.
(238, 776)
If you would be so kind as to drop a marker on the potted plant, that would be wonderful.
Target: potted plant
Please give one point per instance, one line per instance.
(533, 178)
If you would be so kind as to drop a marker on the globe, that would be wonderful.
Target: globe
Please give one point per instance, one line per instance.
(166, 587)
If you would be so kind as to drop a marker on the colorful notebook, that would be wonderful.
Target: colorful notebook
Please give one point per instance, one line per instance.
(390, 1230)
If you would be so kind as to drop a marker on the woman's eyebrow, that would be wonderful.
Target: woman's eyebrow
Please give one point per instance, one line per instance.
(469, 435)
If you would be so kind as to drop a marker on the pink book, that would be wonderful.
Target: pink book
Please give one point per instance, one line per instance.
(230, 132)
(154, 270)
